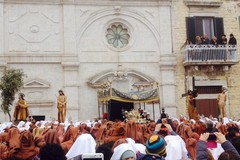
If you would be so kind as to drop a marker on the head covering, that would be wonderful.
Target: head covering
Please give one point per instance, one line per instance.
(156, 145)
(120, 149)
(128, 154)
(85, 143)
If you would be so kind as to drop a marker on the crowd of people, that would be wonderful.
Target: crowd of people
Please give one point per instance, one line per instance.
(215, 49)
(204, 40)
(167, 138)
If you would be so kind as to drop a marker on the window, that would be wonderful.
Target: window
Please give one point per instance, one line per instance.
(197, 26)
(117, 36)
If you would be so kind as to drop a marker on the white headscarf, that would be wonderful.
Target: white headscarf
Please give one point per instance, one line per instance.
(119, 150)
(2, 127)
(85, 143)
(137, 147)
(176, 148)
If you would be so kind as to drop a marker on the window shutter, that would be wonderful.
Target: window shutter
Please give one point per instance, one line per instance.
(218, 27)
(190, 23)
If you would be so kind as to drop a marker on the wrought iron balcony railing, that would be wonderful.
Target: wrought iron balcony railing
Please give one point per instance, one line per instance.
(210, 55)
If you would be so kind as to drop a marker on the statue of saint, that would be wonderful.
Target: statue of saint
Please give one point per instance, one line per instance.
(21, 112)
(191, 105)
(61, 105)
(222, 97)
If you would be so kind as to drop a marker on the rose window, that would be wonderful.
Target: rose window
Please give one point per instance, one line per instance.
(117, 36)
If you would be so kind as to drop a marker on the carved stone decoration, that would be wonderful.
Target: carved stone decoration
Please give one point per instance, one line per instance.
(209, 70)
(205, 3)
(133, 78)
(151, 13)
(36, 83)
(35, 28)
(36, 93)
(117, 10)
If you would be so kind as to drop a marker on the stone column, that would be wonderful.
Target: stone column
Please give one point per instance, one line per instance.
(70, 61)
(1, 27)
(165, 29)
(69, 28)
(168, 85)
(3, 117)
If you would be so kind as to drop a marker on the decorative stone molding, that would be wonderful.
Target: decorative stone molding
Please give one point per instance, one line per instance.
(40, 103)
(94, 2)
(203, 3)
(36, 83)
(121, 75)
(168, 62)
(124, 12)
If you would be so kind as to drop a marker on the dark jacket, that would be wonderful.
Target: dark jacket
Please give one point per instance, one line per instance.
(202, 149)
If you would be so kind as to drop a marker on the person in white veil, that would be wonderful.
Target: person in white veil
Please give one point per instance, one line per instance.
(85, 143)
(120, 150)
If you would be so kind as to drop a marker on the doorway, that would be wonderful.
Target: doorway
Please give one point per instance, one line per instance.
(207, 107)
(116, 109)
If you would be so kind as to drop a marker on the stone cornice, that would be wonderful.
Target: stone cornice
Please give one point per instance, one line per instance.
(94, 2)
(203, 3)
(36, 58)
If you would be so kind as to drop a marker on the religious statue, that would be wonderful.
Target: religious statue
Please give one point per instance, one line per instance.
(21, 112)
(61, 105)
(191, 104)
(222, 103)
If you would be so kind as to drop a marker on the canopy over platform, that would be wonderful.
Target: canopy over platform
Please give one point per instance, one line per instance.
(106, 93)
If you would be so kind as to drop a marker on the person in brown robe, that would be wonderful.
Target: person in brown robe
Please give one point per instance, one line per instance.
(131, 129)
(39, 142)
(27, 150)
(51, 135)
(3, 151)
(69, 138)
(13, 141)
(191, 143)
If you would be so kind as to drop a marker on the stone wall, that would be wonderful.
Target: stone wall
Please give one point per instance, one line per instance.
(227, 9)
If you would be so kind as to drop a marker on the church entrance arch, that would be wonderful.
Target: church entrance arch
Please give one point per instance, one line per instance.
(122, 90)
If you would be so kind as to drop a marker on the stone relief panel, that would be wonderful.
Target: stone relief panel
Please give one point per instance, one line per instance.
(33, 28)
(99, 23)
(35, 89)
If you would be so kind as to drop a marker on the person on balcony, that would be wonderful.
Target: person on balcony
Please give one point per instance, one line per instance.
(232, 42)
(223, 40)
(205, 39)
(213, 54)
(214, 40)
(198, 40)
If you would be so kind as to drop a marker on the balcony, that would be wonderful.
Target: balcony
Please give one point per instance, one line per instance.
(210, 55)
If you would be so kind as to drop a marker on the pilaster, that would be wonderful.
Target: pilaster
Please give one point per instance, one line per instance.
(71, 88)
(1, 28)
(69, 30)
(165, 30)
(168, 84)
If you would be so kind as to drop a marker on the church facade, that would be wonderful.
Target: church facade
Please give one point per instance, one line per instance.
(134, 45)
